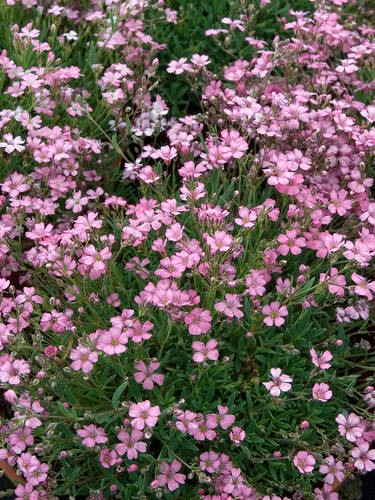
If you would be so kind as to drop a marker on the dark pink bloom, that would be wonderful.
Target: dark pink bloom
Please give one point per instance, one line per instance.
(170, 475)
(130, 444)
(147, 376)
(199, 321)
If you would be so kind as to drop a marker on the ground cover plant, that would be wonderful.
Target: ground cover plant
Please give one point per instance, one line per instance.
(187, 242)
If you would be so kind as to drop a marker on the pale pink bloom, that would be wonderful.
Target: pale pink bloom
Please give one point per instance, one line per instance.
(332, 470)
(255, 282)
(147, 376)
(335, 281)
(304, 462)
(347, 66)
(112, 341)
(200, 60)
(280, 383)
(187, 421)
(369, 214)
(246, 217)
(83, 358)
(369, 113)
(237, 435)
(274, 314)
(350, 426)
(231, 306)
(170, 476)
(235, 142)
(179, 66)
(175, 232)
(92, 435)
(15, 184)
(144, 415)
(321, 392)
(363, 287)
(19, 439)
(328, 244)
(205, 351)
(11, 370)
(323, 361)
(39, 231)
(148, 175)
(11, 143)
(199, 321)
(130, 444)
(363, 456)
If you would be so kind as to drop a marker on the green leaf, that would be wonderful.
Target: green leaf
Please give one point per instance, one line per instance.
(92, 54)
(117, 394)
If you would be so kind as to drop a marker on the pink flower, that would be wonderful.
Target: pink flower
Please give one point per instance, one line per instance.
(50, 351)
(280, 383)
(237, 435)
(231, 306)
(205, 351)
(83, 358)
(363, 287)
(178, 67)
(304, 462)
(130, 444)
(323, 361)
(204, 429)
(209, 461)
(144, 415)
(224, 419)
(339, 204)
(290, 243)
(363, 456)
(274, 314)
(147, 375)
(113, 341)
(94, 261)
(321, 392)
(11, 143)
(170, 475)
(92, 435)
(175, 232)
(332, 470)
(200, 60)
(11, 370)
(335, 282)
(221, 241)
(139, 332)
(108, 458)
(199, 321)
(350, 426)
(246, 217)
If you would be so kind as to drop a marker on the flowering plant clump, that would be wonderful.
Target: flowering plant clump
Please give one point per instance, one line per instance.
(186, 301)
